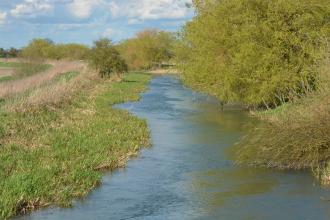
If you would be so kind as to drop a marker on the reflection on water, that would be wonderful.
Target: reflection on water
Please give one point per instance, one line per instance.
(215, 187)
(187, 174)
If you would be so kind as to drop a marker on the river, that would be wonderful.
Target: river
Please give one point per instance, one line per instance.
(187, 173)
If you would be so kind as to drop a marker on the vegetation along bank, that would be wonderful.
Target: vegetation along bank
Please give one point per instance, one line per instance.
(272, 56)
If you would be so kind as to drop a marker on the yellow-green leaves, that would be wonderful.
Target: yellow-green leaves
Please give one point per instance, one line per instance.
(255, 51)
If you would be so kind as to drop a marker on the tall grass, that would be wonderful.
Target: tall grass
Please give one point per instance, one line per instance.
(23, 70)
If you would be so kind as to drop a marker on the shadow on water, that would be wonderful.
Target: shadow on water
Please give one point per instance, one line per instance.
(187, 174)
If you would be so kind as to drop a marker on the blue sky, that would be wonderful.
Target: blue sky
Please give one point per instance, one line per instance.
(83, 21)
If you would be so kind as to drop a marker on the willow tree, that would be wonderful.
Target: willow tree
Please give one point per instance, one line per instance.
(255, 51)
(148, 48)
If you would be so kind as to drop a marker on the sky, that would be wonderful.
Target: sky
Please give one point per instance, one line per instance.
(83, 21)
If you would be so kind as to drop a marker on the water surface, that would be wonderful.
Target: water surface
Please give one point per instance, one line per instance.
(187, 173)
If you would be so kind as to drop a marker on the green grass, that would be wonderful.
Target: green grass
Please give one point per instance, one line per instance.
(5, 78)
(52, 156)
(8, 65)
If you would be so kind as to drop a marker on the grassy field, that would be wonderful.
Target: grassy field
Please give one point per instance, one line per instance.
(22, 70)
(57, 140)
(8, 64)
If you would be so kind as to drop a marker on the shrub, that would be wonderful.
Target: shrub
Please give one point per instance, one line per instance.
(106, 60)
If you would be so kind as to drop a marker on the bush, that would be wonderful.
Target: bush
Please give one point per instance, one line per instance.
(106, 59)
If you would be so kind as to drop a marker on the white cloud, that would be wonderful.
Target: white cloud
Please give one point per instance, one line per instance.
(109, 32)
(32, 8)
(83, 8)
(134, 21)
(114, 9)
(3, 16)
(151, 9)
(74, 26)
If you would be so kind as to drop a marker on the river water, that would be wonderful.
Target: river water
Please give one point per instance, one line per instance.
(187, 173)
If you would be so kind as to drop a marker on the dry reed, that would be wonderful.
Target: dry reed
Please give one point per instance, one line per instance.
(13, 88)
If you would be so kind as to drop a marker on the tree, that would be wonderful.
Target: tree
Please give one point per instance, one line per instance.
(147, 49)
(256, 52)
(38, 49)
(13, 52)
(10, 53)
(105, 58)
(3, 53)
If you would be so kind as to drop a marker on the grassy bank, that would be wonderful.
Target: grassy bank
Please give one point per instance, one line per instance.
(55, 149)
(295, 135)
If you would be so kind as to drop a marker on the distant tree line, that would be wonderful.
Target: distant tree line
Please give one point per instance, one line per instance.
(150, 48)
(258, 52)
(9, 53)
(40, 49)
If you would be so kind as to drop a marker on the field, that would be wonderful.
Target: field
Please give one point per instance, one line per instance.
(14, 70)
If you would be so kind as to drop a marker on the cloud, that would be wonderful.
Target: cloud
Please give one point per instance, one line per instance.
(114, 9)
(83, 8)
(76, 26)
(134, 21)
(134, 11)
(109, 32)
(3, 16)
(151, 9)
(32, 8)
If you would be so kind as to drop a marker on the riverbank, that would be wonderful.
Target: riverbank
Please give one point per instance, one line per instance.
(295, 135)
(58, 137)
(187, 173)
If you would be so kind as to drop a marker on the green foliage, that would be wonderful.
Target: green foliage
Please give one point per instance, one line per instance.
(37, 49)
(50, 157)
(149, 48)
(8, 65)
(40, 49)
(105, 58)
(256, 52)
